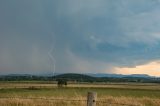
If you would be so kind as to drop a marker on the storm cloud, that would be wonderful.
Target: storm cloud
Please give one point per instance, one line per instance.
(86, 35)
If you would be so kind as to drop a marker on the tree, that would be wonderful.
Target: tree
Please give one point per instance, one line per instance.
(62, 82)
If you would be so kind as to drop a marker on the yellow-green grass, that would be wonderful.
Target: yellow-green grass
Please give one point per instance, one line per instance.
(41, 94)
(71, 92)
(50, 84)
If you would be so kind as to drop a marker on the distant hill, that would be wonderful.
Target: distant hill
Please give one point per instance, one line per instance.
(106, 75)
(108, 78)
(139, 76)
(119, 75)
(143, 78)
(77, 77)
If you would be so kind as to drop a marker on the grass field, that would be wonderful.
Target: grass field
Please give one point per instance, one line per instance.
(47, 94)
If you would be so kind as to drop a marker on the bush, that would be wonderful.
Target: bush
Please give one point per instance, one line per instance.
(61, 83)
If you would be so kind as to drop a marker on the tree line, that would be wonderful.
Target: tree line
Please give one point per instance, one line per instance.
(77, 78)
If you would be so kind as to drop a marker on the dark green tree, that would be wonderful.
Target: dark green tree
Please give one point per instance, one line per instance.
(62, 83)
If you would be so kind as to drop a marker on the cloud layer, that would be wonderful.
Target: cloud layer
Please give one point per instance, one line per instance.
(86, 35)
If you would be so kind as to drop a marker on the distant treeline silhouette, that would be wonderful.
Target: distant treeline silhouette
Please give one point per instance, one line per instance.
(78, 78)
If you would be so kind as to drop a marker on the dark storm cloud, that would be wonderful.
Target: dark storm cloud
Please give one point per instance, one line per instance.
(86, 35)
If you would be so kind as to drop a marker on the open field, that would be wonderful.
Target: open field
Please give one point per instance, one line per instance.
(47, 94)
(49, 84)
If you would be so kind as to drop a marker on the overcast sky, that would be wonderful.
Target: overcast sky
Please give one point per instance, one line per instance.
(80, 36)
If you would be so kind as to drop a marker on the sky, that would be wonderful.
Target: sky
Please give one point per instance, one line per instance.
(80, 36)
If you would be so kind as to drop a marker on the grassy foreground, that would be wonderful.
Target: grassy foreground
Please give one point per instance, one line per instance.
(115, 94)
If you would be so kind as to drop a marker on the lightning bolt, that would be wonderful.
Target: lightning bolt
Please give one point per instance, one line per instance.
(52, 58)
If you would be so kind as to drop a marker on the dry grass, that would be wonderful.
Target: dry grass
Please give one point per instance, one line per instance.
(48, 84)
(147, 86)
(109, 100)
(23, 94)
(145, 101)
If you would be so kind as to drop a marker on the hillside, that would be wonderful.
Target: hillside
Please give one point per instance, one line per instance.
(83, 78)
(77, 77)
